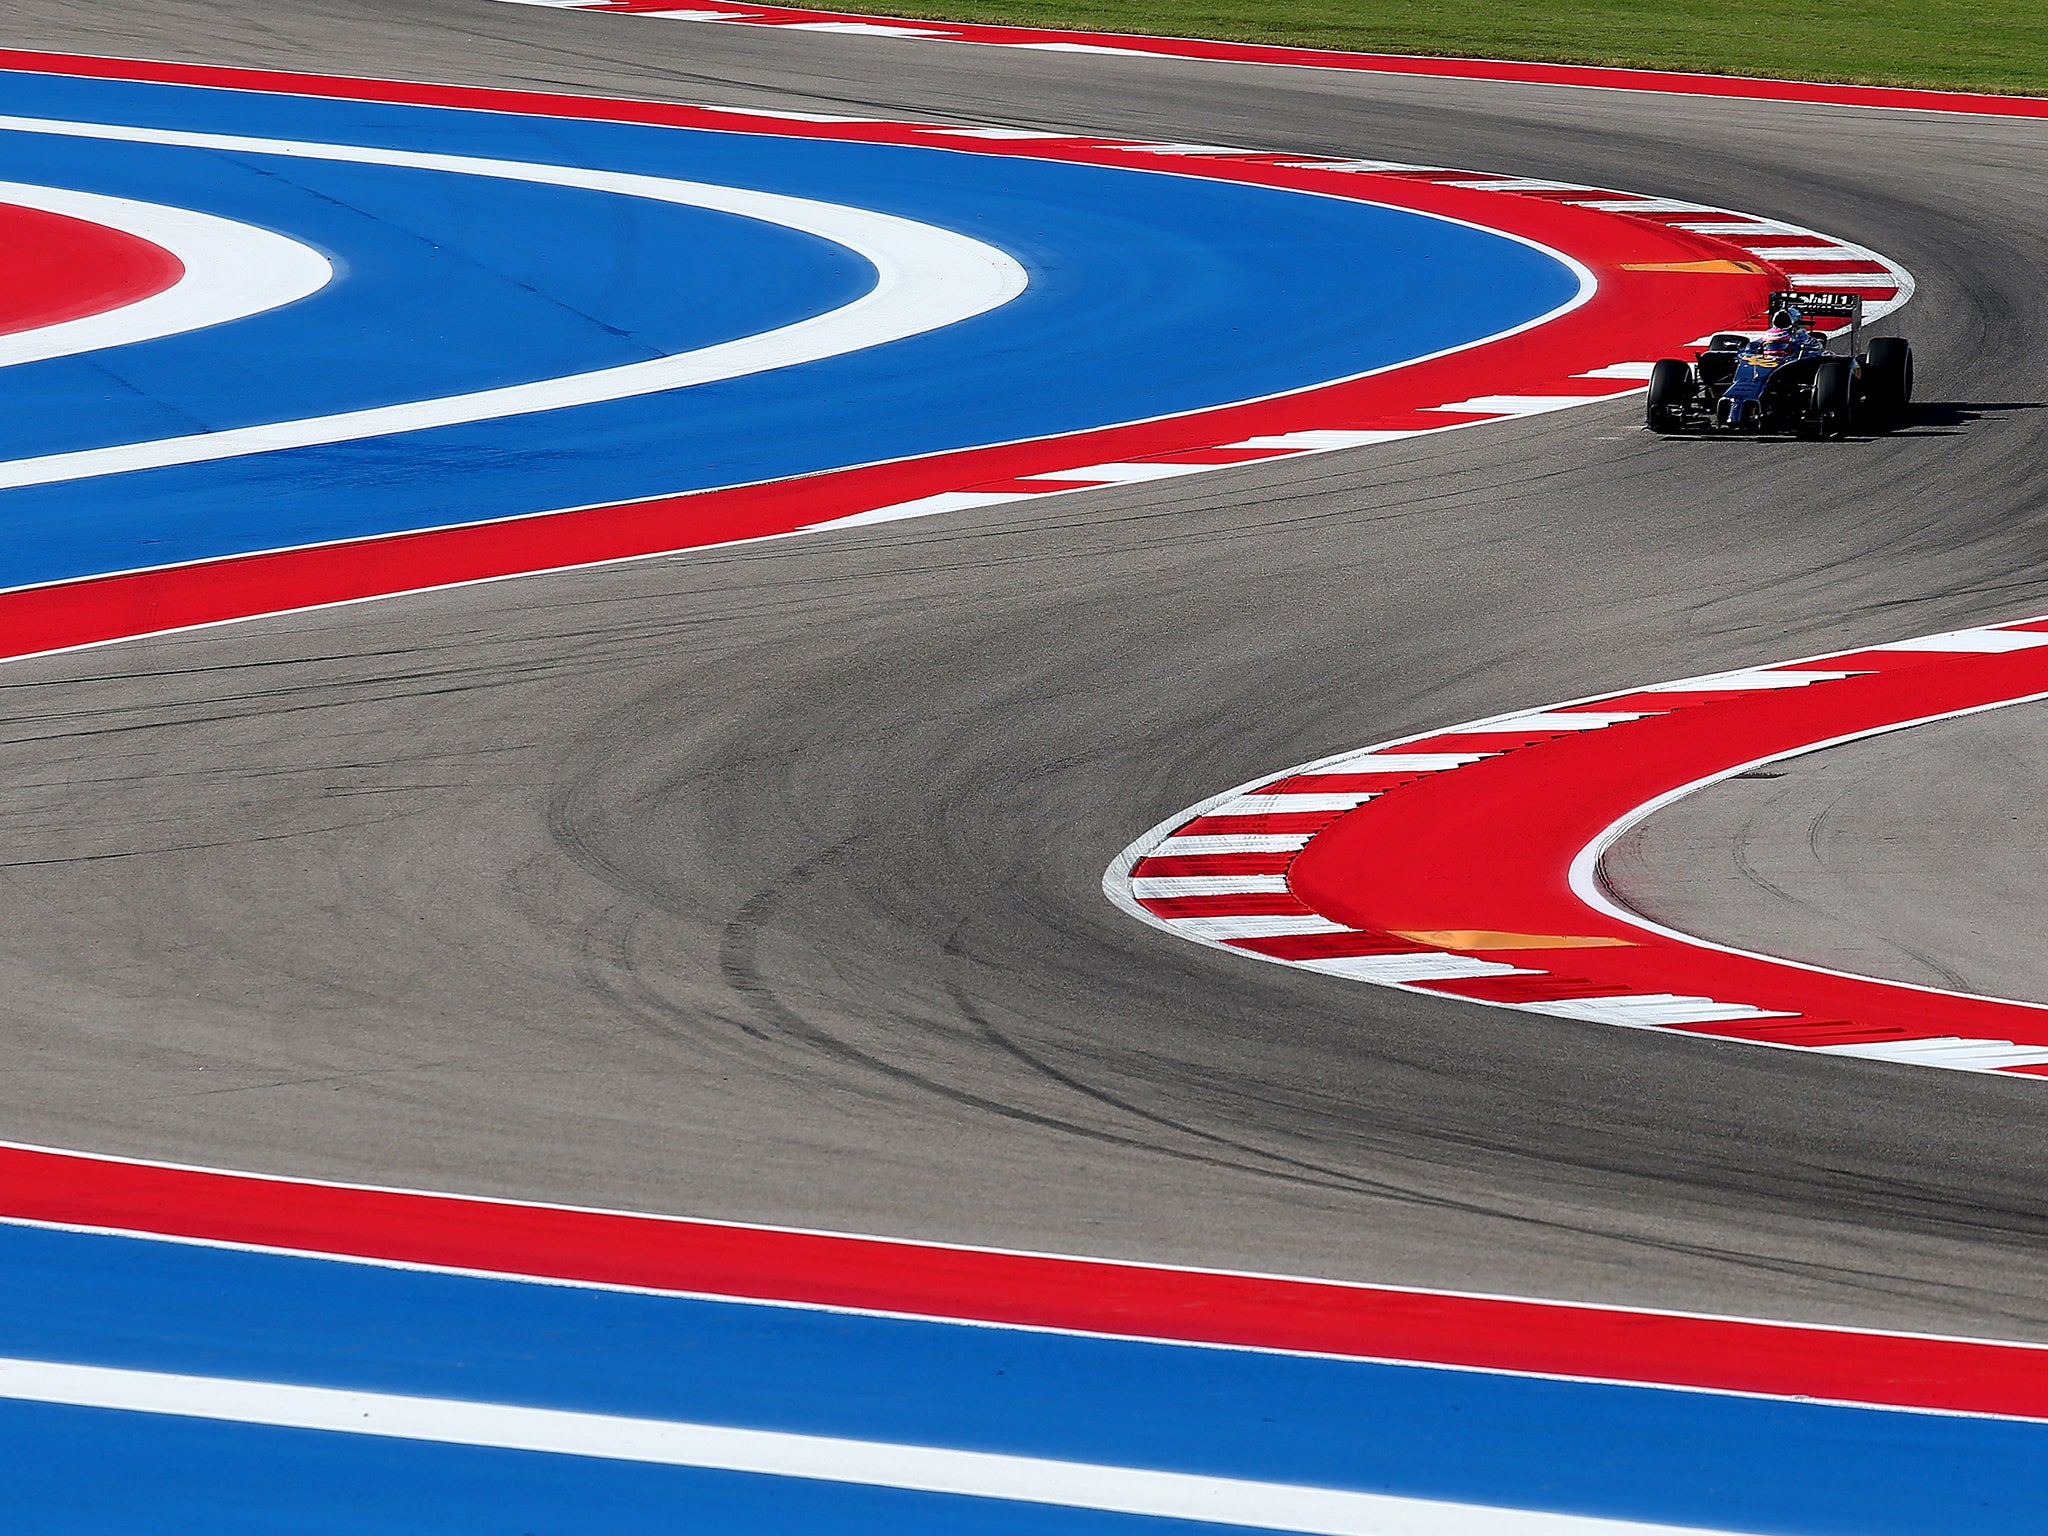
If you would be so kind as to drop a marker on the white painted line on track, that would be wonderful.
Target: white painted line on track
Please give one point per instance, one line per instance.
(927, 278)
(232, 271)
(1142, 1491)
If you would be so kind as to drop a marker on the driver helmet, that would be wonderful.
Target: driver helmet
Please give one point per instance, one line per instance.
(1783, 336)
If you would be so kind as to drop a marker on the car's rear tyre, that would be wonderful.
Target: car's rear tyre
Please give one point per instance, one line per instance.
(1887, 381)
(1833, 381)
(1671, 392)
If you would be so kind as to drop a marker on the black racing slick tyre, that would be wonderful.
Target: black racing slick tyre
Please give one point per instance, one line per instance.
(1671, 392)
(1887, 381)
(1833, 383)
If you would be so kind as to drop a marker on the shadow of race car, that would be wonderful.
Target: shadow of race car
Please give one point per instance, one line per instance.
(1787, 380)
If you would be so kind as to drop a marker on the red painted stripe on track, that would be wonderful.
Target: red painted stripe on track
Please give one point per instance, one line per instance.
(1505, 71)
(55, 268)
(1031, 1290)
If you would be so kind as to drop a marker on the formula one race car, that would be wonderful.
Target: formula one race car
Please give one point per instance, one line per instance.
(1787, 380)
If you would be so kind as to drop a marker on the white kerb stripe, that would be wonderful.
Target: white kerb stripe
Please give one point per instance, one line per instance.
(1751, 677)
(1315, 441)
(1971, 641)
(1157, 886)
(1363, 167)
(998, 133)
(1741, 226)
(927, 278)
(1187, 149)
(1643, 205)
(1254, 927)
(866, 1463)
(1803, 253)
(1519, 184)
(1654, 1010)
(1553, 720)
(784, 114)
(232, 271)
(1258, 804)
(1124, 474)
(858, 29)
(1396, 762)
(1519, 405)
(1232, 842)
(1122, 53)
(1422, 965)
(1952, 1051)
(924, 506)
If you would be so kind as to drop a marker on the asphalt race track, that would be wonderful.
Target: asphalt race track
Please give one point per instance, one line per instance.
(764, 883)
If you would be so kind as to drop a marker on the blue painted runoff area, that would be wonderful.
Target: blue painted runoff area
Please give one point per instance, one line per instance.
(1149, 294)
(1684, 1458)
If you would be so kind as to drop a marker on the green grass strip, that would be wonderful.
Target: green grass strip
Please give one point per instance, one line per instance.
(1975, 45)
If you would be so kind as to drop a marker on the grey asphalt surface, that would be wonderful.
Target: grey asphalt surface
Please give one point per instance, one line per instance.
(1834, 859)
(763, 884)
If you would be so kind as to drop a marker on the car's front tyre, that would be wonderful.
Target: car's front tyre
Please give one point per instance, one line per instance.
(1834, 384)
(1670, 398)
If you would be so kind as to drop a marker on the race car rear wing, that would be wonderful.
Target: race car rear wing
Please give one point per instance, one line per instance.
(1827, 306)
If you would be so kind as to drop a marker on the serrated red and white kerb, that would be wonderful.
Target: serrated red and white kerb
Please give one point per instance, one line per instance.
(1806, 258)
(1465, 862)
